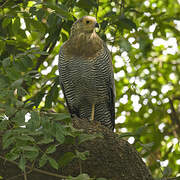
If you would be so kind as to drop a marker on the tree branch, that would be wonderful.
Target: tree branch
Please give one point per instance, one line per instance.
(19, 175)
(35, 169)
(3, 4)
(174, 115)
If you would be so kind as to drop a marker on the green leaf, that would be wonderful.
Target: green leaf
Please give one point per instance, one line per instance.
(10, 111)
(35, 121)
(66, 159)
(16, 25)
(125, 45)
(38, 97)
(60, 10)
(2, 45)
(12, 156)
(22, 163)
(126, 135)
(144, 42)
(60, 116)
(22, 34)
(42, 53)
(14, 74)
(20, 118)
(3, 125)
(17, 83)
(80, 177)
(19, 104)
(126, 23)
(88, 137)
(43, 160)
(37, 26)
(60, 134)
(53, 163)
(32, 10)
(48, 101)
(52, 94)
(40, 14)
(82, 155)
(31, 155)
(148, 146)
(45, 140)
(35, 116)
(19, 66)
(27, 61)
(51, 149)
(6, 62)
(87, 4)
(25, 138)
(6, 21)
(8, 142)
(21, 91)
(141, 130)
(52, 18)
(7, 135)
(30, 148)
(60, 137)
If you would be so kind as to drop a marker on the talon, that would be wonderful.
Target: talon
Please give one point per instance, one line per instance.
(92, 112)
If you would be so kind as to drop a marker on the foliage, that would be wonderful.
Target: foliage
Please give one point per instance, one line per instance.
(24, 139)
(143, 37)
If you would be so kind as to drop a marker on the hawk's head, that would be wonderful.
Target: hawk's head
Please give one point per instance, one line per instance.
(86, 24)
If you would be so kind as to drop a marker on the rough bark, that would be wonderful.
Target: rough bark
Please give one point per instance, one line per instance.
(110, 157)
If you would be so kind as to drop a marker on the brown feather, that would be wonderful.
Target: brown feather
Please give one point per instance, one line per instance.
(83, 41)
(84, 45)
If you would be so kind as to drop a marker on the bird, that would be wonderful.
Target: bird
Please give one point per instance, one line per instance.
(86, 74)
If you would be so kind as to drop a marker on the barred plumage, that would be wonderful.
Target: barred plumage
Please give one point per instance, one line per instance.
(86, 74)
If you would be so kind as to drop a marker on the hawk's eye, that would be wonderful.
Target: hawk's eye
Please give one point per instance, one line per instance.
(87, 22)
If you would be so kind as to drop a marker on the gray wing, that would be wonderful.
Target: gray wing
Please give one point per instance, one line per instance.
(64, 79)
(105, 73)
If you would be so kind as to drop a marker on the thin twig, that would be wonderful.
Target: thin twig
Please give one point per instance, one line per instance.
(35, 169)
(80, 166)
(174, 116)
(176, 98)
(173, 178)
(4, 4)
(19, 175)
(25, 174)
(60, 102)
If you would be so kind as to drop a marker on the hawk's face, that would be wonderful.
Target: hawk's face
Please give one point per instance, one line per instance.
(86, 24)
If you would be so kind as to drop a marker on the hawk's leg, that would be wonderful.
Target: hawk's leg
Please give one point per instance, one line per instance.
(92, 112)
